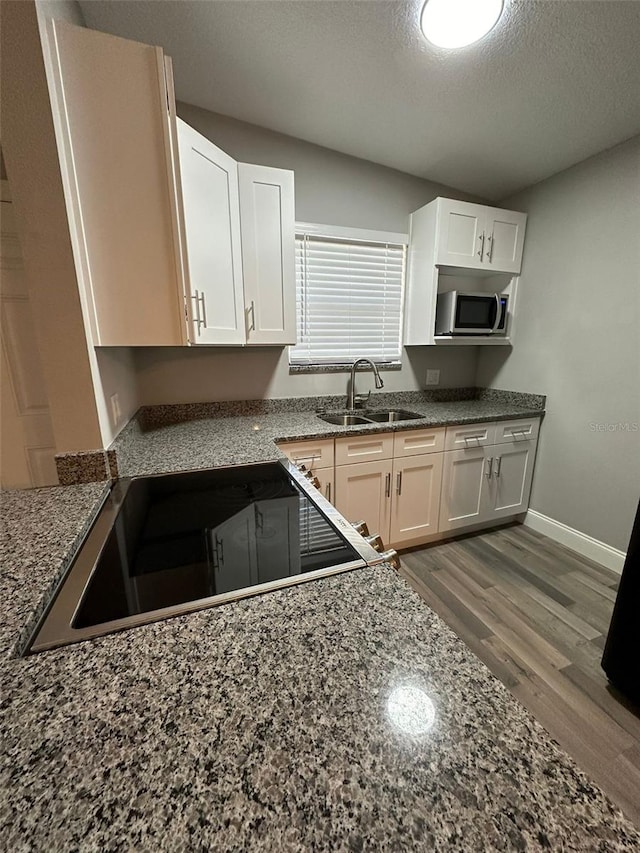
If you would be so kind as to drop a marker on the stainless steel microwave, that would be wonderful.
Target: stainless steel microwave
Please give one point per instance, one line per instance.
(471, 313)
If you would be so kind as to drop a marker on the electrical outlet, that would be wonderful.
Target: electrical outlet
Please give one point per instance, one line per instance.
(433, 377)
(115, 409)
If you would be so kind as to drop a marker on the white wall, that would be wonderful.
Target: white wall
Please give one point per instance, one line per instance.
(331, 188)
(578, 341)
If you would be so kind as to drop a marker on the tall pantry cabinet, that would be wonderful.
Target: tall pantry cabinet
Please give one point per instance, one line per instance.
(163, 223)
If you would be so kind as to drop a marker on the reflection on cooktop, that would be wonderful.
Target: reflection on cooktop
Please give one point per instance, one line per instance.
(180, 538)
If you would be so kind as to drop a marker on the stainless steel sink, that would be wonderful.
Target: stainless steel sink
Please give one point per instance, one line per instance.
(392, 415)
(344, 420)
(369, 417)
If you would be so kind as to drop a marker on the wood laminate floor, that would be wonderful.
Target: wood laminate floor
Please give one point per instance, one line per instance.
(537, 614)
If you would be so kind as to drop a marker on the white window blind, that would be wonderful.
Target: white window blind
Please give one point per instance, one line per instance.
(348, 300)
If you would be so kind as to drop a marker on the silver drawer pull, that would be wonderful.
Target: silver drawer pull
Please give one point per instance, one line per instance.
(472, 437)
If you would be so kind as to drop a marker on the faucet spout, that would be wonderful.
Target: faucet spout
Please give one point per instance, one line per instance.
(352, 397)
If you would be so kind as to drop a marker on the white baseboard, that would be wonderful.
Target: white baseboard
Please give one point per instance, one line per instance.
(595, 550)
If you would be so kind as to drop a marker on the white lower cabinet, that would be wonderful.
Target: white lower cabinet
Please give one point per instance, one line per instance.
(486, 483)
(326, 482)
(415, 499)
(398, 496)
(510, 483)
(363, 493)
(464, 499)
(408, 488)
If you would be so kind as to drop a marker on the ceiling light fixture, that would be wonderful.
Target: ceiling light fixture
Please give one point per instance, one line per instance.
(457, 23)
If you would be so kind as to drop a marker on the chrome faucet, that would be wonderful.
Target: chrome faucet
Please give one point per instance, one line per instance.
(353, 399)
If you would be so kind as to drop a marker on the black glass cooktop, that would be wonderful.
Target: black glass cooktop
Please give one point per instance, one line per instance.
(183, 537)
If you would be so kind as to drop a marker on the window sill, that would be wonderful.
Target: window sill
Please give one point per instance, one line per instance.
(341, 368)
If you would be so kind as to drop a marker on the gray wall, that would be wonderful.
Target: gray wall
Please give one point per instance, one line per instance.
(578, 341)
(333, 189)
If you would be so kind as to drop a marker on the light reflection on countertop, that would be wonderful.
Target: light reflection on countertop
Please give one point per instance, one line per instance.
(410, 710)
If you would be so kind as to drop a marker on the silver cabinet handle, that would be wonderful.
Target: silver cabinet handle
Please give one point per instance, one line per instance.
(498, 466)
(467, 438)
(481, 249)
(251, 310)
(197, 318)
(327, 491)
(399, 483)
(490, 249)
(387, 486)
(488, 471)
(204, 310)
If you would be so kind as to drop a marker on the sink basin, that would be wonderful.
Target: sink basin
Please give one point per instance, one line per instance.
(369, 417)
(344, 420)
(392, 415)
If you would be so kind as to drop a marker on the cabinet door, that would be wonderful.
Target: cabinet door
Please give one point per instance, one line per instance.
(504, 239)
(327, 483)
(112, 127)
(267, 221)
(416, 497)
(464, 498)
(460, 235)
(363, 492)
(510, 484)
(211, 208)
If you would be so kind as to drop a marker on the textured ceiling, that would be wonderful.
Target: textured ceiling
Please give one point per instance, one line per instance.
(555, 82)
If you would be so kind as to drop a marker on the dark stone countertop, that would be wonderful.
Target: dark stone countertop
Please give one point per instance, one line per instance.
(292, 721)
(227, 438)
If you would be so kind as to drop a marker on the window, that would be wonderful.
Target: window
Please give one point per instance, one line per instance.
(349, 295)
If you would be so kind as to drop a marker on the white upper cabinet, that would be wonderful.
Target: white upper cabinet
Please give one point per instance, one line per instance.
(469, 248)
(472, 236)
(159, 224)
(110, 106)
(459, 236)
(267, 218)
(208, 180)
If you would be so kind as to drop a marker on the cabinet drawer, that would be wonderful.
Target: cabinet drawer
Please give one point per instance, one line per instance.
(524, 429)
(364, 448)
(414, 442)
(312, 454)
(469, 435)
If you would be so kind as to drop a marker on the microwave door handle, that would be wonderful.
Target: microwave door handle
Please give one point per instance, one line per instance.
(498, 313)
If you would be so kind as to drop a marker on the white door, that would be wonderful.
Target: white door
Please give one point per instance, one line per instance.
(510, 484)
(267, 221)
(416, 498)
(26, 432)
(460, 234)
(211, 210)
(363, 493)
(504, 239)
(465, 499)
